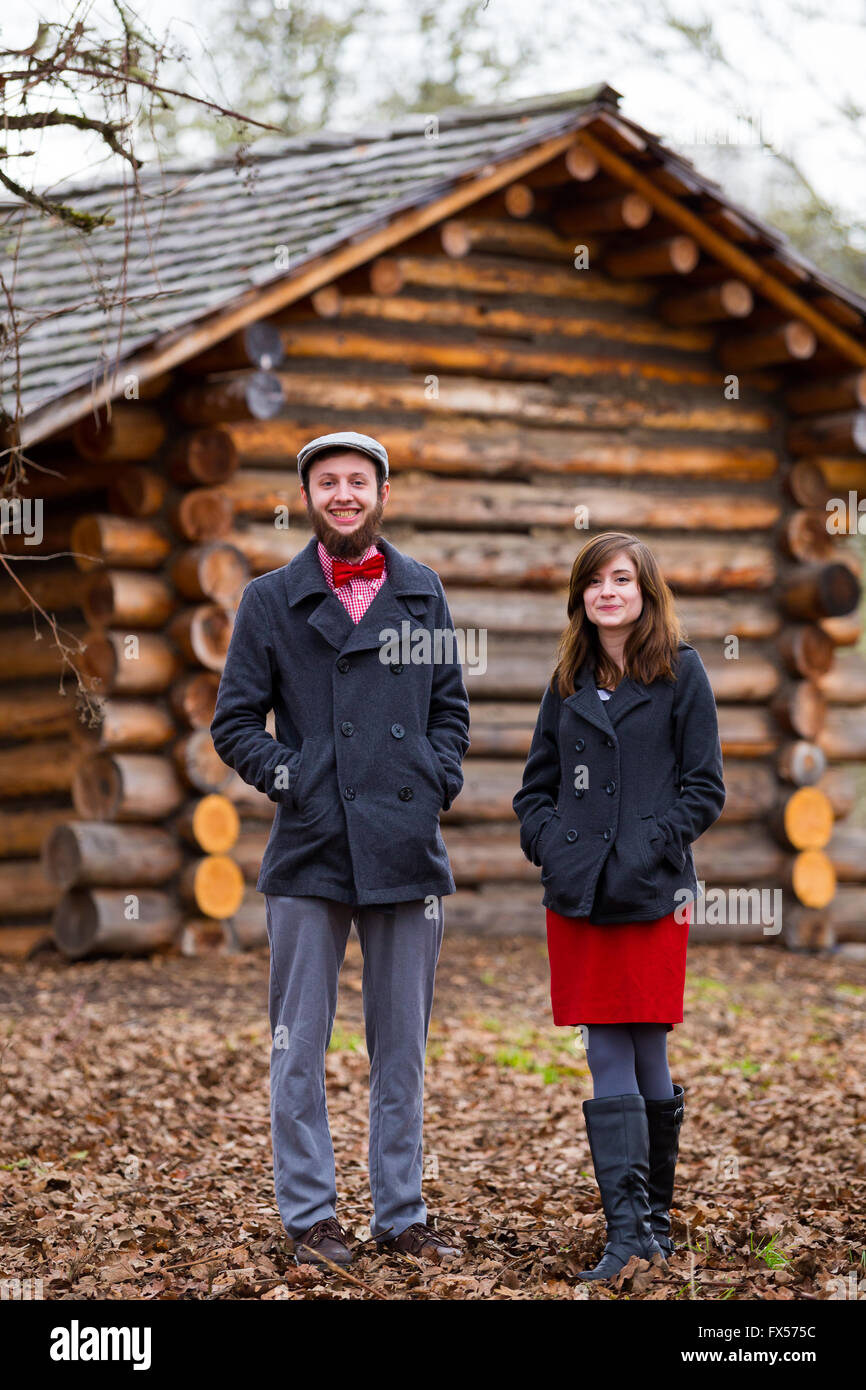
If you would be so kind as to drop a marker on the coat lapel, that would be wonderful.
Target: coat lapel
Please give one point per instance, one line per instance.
(399, 599)
(604, 714)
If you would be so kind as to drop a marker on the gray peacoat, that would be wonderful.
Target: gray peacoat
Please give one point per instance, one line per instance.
(367, 752)
(614, 792)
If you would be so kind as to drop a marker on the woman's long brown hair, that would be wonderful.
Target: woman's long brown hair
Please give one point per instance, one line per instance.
(651, 648)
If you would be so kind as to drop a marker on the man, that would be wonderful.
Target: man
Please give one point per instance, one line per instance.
(368, 751)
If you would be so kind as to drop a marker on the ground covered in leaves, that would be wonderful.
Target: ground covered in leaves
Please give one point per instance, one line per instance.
(135, 1159)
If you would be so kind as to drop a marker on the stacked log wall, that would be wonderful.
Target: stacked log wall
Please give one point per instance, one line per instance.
(526, 405)
(511, 390)
(37, 687)
(138, 861)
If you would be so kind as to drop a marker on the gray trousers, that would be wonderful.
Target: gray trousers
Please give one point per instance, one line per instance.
(400, 944)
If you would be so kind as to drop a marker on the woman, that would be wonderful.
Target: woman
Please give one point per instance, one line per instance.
(624, 772)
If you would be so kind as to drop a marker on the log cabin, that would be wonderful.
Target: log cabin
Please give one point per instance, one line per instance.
(544, 314)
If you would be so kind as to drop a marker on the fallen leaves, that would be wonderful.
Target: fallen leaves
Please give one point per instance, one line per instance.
(136, 1160)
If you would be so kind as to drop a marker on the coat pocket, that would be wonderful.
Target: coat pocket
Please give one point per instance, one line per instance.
(652, 843)
(434, 764)
(628, 883)
(299, 772)
(310, 774)
(567, 856)
(543, 835)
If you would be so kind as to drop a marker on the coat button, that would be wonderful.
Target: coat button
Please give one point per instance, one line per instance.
(343, 664)
(397, 730)
(610, 742)
(405, 793)
(578, 791)
(347, 728)
(395, 668)
(580, 745)
(610, 788)
(571, 836)
(607, 834)
(349, 793)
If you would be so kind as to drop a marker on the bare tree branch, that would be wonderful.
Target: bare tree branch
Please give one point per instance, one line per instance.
(120, 72)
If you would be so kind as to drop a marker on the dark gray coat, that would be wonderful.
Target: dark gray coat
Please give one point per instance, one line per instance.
(618, 849)
(366, 753)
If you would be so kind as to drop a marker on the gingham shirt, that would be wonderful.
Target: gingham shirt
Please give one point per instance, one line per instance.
(358, 594)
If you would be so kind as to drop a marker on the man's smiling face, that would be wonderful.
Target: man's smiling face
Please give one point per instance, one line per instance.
(343, 502)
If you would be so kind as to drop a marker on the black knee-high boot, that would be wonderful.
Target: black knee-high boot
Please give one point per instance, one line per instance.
(664, 1119)
(619, 1143)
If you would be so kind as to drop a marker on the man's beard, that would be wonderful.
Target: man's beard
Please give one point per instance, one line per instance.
(346, 544)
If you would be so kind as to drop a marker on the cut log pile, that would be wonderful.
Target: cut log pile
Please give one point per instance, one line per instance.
(36, 690)
(556, 361)
(133, 853)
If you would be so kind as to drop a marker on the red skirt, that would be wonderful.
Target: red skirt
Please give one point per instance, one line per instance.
(627, 972)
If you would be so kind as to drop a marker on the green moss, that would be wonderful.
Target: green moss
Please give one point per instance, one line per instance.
(345, 1042)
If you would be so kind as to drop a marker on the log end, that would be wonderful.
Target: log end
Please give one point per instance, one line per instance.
(218, 886)
(813, 878)
(61, 856)
(76, 924)
(808, 818)
(97, 788)
(216, 824)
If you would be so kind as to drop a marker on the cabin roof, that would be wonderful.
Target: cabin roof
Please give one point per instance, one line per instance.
(203, 238)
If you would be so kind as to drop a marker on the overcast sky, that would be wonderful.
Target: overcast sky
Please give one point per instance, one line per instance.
(583, 45)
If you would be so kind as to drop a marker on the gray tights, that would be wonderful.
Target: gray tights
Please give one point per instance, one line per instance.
(629, 1059)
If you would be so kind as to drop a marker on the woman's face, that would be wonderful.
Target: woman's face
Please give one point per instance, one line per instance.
(612, 598)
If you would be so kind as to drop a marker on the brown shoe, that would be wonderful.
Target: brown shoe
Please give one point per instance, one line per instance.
(421, 1240)
(326, 1238)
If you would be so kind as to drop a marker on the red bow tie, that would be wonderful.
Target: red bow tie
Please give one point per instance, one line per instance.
(370, 569)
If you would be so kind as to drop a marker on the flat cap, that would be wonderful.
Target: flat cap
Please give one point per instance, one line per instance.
(348, 440)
